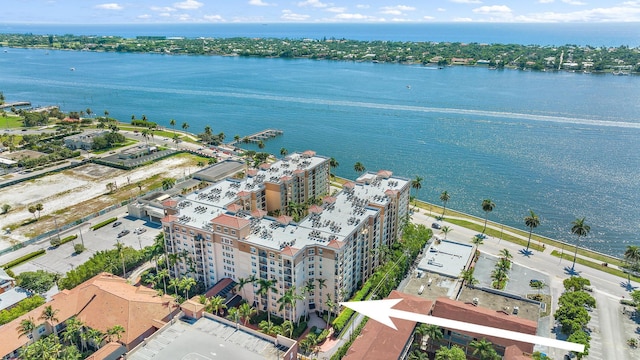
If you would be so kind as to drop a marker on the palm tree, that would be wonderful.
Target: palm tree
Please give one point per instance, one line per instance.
(499, 276)
(246, 311)
(39, 208)
(284, 152)
(49, 314)
(116, 331)
(444, 197)
(445, 230)
(532, 221)
(233, 315)
(32, 209)
(321, 284)
(145, 135)
(333, 163)
(416, 184)
(187, 283)
(484, 349)
(96, 337)
(581, 229)
(434, 332)
(453, 353)
(467, 277)
(175, 282)
(106, 114)
(73, 329)
(477, 240)
(287, 327)
(506, 254)
(418, 355)
(244, 281)
(309, 287)
(487, 207)
(266, 327)
(216, 304)
(265, 286)
(26, 327)
(330, 306)
(359, 167)
(632, 257)
(288, 300)
(185, 126)
(503, 263)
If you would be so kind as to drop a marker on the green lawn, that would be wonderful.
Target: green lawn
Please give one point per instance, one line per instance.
(10, 122)
(495, 233)
(595, 265)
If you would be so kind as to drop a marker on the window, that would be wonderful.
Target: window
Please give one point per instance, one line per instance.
(218, 227)
(319, 251)
(253, 250)
(312, 252)
(233, 232)
(226, 231)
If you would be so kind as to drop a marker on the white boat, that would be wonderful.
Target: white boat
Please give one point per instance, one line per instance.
(73, 69)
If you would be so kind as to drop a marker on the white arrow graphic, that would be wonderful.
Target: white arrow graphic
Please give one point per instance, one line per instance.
(382, 312)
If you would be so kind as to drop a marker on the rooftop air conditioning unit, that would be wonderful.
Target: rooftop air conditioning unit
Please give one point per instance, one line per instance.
(475, 301)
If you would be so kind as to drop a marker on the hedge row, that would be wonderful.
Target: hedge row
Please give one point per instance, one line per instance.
(143, 123)
(342, 319)
(55, 242)
(23, 259)
(104, 223)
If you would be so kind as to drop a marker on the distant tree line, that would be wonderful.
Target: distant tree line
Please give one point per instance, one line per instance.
(535, 57)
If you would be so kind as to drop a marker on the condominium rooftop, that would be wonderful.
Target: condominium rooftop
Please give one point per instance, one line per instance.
(206, 339)
(447, 258)
(279, 171)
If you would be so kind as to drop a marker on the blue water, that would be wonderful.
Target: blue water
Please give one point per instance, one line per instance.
(562, 144)
(595, 34)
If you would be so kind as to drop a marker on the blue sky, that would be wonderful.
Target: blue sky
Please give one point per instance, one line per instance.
(320, 11)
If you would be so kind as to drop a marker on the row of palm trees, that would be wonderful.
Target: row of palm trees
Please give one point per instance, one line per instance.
(482, 348)
(76, 333)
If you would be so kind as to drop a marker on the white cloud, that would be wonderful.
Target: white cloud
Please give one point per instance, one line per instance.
(162, 8)
(396, 10)
(466, 2)
(362, 6)
(493, 10)
(631, 3)
(164, 14)
(428, 17)
(545, 1)
(441, 9)
(574, 2)
(462, 19)
(184, 17)
(188, 5)
(109, 6)
(258, 3)
(400, 20)
(345, 16)
(612, 14)
(144, 16)
(213, 18)
(312, 3)
(337, 9)
(291, 16)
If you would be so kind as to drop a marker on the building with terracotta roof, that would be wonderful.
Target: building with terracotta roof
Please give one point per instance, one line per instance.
(457, 310)
(380, 342)
(223, 230)
(377, 341)
(100, 303)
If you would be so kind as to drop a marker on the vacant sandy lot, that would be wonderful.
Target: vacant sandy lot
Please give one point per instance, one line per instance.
(62, 190)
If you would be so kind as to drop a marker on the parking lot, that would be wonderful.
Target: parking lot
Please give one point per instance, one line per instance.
(63, 258)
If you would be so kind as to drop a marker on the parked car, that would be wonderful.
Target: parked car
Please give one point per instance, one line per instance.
(534, 282)
(435, 225)
(481, 236)
(139, 230)
(117, 223)
(123, 233)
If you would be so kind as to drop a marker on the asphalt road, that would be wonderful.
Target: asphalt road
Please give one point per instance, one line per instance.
(607, 289)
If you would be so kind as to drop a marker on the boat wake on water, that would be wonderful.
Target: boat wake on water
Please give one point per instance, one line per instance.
(367, 105)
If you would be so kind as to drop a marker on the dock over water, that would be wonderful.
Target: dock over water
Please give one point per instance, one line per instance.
(18, 103)
(259, 136)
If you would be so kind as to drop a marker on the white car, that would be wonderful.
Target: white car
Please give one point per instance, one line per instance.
(139, 230)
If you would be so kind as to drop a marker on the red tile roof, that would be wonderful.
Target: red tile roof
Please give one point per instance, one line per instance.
(169, 218)
(315, 209)
(258, 213)
(252, 172)
(170, 203)
(349, 185)
(230, 221)
(385, 174)
(457, 310)
(309, 153)
(244, 193)
(265, 166)
(378, 341)
(289, 251)
(100, 302)
(234, 208)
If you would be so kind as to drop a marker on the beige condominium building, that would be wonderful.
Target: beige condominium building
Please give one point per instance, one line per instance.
(223, 231)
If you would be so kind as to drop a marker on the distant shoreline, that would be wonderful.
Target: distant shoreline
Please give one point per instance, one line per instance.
(620, 60)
